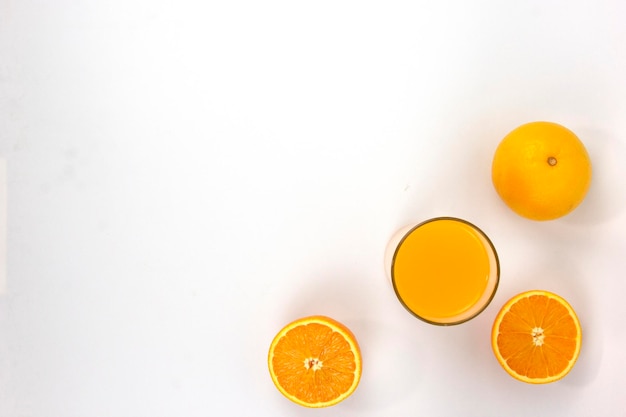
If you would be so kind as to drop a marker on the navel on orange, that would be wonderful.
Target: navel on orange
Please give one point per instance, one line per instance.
(536, 337)
(541, 170)
(315, 361)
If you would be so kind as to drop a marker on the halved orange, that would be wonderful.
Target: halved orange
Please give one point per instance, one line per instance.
(536, 337)
(315, 361)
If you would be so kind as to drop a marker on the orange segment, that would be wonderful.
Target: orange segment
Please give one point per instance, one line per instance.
(315, 361)
(536, 337)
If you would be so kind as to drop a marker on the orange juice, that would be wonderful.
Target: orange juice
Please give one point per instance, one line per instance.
(444, 270)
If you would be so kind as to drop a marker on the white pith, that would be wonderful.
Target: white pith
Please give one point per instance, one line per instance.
(538, 336)
(313, 363)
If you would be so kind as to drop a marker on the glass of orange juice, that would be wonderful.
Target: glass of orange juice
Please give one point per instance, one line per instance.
(444, 270)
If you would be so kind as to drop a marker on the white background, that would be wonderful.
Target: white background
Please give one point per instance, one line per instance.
(186, 177)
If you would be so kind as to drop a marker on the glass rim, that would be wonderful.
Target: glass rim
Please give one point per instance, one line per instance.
(490, 247)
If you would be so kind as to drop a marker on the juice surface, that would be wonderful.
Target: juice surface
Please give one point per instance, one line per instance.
(441, 269)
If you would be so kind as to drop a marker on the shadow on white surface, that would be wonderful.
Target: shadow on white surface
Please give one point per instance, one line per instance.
(394, 366)
(606, 198)
(555, 270)
(392, 359)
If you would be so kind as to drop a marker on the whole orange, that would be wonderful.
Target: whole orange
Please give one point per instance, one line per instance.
(541, 170)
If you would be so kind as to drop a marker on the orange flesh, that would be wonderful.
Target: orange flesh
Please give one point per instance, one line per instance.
(538, 357)
(314, 365)
(441, 269)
